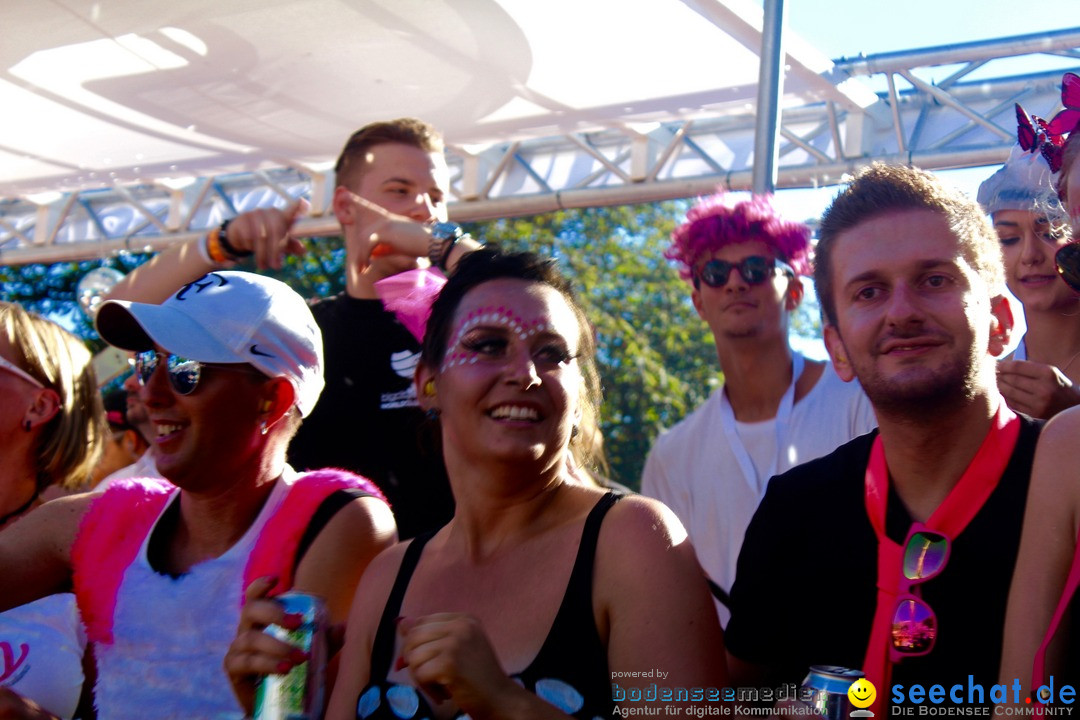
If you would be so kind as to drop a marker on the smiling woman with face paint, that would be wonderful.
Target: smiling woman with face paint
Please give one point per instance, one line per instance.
(541, 589)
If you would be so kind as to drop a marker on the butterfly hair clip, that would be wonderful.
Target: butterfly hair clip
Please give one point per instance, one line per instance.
(1048, 137)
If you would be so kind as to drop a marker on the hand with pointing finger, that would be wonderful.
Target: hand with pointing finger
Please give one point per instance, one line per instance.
(266, 232)
(386, 232)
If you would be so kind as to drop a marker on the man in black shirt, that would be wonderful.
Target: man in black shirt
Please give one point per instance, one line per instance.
(910, 279)
(392, 179)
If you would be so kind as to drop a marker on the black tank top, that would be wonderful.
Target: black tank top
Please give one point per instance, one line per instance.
(570, 671)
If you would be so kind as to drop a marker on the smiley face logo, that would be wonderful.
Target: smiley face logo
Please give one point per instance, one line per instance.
(862, 693)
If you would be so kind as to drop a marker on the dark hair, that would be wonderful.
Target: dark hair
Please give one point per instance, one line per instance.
(491, 263)
(115, 402)
(406, 131)
(881, 189)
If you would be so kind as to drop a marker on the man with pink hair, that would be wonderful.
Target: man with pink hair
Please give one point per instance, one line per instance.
(775, 409)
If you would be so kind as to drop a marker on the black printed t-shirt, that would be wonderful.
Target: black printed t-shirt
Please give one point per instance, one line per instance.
(368, 420)
(805, 588)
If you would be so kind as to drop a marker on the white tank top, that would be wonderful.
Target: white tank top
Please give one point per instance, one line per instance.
(170, 635)
(41, 651)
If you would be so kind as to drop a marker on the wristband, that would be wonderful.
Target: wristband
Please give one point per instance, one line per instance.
(204, 251)
(223, 238)
(443, 237)
(214, 248)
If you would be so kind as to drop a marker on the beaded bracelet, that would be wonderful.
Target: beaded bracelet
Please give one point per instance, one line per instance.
(232, 252)
(215, 249)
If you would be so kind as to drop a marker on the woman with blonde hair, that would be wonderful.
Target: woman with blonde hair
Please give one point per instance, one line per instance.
(52, 427)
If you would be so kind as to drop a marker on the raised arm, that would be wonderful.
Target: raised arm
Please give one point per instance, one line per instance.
(381, 231)
(1047, 545)
(264, 233)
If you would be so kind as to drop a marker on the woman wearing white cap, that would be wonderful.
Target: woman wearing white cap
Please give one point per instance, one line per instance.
(228, 366)
(1042, 377)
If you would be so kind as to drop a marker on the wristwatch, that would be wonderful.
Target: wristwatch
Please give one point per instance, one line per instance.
(443, 237)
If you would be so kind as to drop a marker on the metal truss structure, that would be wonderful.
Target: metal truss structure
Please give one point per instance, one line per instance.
(673, 147)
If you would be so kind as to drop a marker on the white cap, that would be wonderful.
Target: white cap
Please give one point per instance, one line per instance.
(1022, 183)
(228, 317)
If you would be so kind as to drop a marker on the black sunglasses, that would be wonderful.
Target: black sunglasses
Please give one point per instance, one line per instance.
(754, 269)
(1067, 260)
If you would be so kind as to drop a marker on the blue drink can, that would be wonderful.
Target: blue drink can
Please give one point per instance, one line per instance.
(828, 690)
(297, 694)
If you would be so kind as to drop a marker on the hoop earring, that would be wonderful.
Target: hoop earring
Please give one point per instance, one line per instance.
(263, 429)
(432, 414)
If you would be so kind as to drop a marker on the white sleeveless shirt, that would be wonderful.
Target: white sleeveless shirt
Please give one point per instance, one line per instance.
(170, 635)
(41, 651)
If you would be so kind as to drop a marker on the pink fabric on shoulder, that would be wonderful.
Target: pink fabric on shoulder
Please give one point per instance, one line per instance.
(118, 521)
(109, 538)
(275, 550)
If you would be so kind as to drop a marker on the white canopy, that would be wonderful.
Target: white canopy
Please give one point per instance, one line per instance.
(129, 123)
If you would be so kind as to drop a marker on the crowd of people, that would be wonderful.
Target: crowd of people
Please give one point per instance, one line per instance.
(432, 469)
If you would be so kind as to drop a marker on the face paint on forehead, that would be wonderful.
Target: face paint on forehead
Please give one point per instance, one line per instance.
(490, 317)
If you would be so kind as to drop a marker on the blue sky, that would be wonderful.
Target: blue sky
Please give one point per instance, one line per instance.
(846, 28)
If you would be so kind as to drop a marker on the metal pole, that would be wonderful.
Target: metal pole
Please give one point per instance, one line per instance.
(770, 90)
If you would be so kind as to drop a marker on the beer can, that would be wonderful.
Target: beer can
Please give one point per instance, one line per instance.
(297, 694)
(828, 686)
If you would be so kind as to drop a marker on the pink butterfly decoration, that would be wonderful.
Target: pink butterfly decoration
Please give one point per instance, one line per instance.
(1067, 120)
(1048, 138)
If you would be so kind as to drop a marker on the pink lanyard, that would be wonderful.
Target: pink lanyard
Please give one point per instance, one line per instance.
(951, 517)
(756, 481)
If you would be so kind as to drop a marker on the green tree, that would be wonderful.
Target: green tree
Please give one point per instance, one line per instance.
(657, 360)
(50, 290)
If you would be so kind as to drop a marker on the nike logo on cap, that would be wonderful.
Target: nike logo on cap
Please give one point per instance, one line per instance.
(256, 351)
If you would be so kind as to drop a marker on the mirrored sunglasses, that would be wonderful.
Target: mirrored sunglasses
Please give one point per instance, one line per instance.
(14, 369)
(754, 269)
(914, 624)
(183, 373)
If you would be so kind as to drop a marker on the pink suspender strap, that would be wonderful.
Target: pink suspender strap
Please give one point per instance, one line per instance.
(275, 550)
(109, 538)
(117, 523)
(1038, 674)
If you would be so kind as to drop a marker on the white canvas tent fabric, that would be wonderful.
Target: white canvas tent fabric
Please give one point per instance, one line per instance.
(129, 123)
